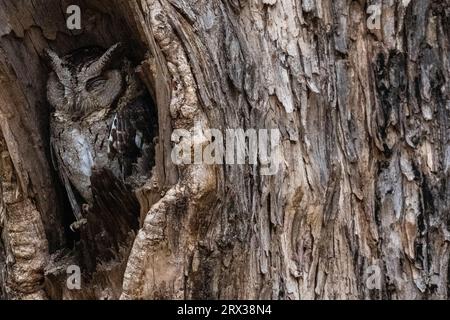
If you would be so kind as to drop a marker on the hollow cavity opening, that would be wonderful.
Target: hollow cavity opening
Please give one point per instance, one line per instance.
(103, 26)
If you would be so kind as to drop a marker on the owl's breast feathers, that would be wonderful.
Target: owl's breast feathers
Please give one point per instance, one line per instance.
(78, 146)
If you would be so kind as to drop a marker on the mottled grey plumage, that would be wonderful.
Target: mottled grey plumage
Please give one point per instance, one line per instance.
(101, 120)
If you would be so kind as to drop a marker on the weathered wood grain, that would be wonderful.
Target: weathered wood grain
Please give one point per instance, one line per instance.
(364, 118)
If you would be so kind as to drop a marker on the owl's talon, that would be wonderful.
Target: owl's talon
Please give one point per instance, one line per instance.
(77, 225)
(86, 208)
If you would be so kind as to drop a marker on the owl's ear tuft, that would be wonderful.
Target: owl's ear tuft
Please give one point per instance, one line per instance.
(113, 52)
(52, 58)
(116, 47)
(58, 65)
(97, 67)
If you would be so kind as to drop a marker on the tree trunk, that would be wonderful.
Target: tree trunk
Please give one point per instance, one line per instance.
(359, 207)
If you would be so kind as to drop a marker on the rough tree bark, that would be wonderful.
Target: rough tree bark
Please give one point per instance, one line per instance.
(364, 118)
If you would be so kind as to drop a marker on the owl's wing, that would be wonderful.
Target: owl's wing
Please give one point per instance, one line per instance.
(131, 134)
(59, 167)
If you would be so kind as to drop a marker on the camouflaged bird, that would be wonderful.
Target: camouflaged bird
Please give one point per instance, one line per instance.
(101, 120)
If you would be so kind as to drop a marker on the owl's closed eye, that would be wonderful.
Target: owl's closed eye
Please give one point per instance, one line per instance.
(95, 83)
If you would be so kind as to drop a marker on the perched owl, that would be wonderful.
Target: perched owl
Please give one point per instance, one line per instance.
(101, 121)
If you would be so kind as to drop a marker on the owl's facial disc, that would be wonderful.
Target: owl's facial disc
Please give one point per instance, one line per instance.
(76, 89)
(83, 96)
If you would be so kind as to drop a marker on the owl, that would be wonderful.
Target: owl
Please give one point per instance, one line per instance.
(102, 126)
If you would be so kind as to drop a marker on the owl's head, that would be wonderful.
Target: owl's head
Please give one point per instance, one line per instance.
(83, 81)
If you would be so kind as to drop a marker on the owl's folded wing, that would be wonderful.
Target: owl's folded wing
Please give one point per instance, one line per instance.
(130, 133)
(63, 174)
